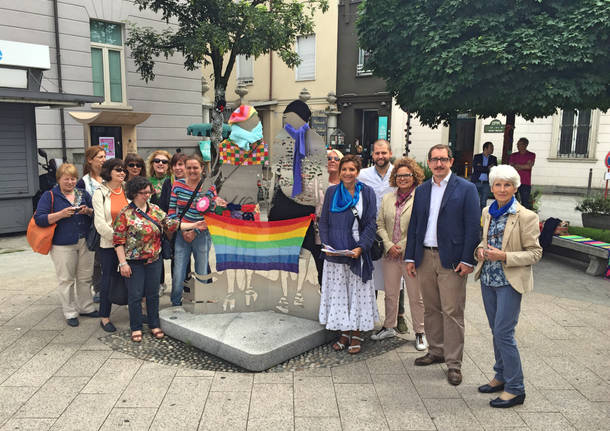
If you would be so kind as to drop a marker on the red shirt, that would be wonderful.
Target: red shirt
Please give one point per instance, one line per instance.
(521, 159)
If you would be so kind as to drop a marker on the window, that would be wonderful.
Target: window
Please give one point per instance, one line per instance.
(574, 136)
(108, 62)
(306, 48)
(362, 59)
(245, 69)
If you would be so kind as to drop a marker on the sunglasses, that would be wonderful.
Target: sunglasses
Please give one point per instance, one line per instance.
(336, 159)
(119, 170)
(165, 162)
(134, 165)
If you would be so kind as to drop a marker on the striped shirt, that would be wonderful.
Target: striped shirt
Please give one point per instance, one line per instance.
(181, 193)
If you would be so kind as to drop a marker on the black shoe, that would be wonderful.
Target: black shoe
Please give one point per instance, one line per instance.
(92, 314)
(108, 327)
(72, 322)
(486, 389)
(503, 404)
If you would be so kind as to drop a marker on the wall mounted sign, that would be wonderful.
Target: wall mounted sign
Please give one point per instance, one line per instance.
(495, 126)
(107, 143)
(382, 131)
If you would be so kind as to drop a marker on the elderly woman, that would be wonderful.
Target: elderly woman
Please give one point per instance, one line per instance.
(70, 208)
(134, 165)
(137, 241)
(347, 222)
(505, 257)
(334, 157)
(158, 170)
(392, 225)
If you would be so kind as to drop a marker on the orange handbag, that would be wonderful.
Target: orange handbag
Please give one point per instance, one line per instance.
(41, 238)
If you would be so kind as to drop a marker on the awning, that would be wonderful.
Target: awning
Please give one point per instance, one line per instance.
(44, 98)
(205, 129)
(110, 117)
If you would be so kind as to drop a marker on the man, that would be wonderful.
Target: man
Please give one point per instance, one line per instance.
(523, 161)
(443, 233)
(378, 177)
(481, 164)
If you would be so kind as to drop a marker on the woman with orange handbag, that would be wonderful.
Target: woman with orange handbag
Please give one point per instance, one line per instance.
(70, 209)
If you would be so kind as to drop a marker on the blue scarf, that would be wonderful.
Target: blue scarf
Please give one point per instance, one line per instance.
(299, 155)
(342, 199)
(496, 212)
(243, 138)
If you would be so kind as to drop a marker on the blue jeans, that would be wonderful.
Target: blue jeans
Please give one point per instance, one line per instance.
(502, 306)
(200, 247)
(144, 281)
(109, 262)
(483, 189)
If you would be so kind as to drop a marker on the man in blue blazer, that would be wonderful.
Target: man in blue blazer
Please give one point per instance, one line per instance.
(443, 233)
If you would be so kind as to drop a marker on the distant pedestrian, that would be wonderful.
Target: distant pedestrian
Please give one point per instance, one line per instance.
(442, 236)
(523, 161)
(481, 164)
(505, 257)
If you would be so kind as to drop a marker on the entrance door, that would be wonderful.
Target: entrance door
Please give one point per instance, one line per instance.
(110, 137)
(461, 138)
(370, 131)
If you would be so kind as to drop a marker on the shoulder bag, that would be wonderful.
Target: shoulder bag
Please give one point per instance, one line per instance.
(377, 247)
(41, 238)
(166, 247)
(93, 236)
(118, 288)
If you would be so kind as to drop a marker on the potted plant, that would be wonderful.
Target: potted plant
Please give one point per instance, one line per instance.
(595, 211)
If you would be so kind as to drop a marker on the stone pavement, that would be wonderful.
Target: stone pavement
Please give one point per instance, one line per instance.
(61, 378)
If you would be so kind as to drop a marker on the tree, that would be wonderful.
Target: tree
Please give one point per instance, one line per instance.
(217, 31)
(490, 57)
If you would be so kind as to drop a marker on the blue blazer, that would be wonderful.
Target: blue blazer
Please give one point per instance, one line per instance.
(478, 168)
(458, 225)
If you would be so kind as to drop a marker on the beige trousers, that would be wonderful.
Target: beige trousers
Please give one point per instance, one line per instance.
(74, 269)
(393, 270)
(444, 294)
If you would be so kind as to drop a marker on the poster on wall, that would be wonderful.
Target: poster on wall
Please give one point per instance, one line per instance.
(383, 128)
(107, 143)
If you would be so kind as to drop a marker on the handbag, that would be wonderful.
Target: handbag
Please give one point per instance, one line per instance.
(188, 204)
(377, 247)
(166, 246)
(93, 236)
(118, 289)
(41, 238)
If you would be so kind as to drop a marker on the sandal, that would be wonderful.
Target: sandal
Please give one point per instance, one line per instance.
(341, 342)
(355, 347)
(158, 334)
(136, 338)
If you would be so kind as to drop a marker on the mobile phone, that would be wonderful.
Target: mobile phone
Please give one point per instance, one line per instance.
(77, 209)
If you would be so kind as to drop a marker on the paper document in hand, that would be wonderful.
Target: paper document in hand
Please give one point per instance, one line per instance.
(328, 249)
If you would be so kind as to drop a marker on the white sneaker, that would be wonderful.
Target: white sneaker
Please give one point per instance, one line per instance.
(420, 341)
(384, 333)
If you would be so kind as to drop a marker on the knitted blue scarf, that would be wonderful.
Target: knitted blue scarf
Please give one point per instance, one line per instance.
(496, 212)
(299, 155)
(342, 199)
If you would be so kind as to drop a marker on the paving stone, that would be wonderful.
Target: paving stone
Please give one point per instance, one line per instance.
(388, 363)
(148, 386)
(225, 411)
(28, 424)
(317, 423)
(449, 414)
(285, 378)
(356, 372)
(359, 407)
(581, 413)
(490, 418)
(189, 372)
(78, 335)
(12, 398)
(52, 398)
(42, 366)
(271, 401)
(24, 348)
(183, 404)
(5, 373)
(54, 321)
(314, 396)
(113, 377)
(541, 375)
(230, 382)
(265, 424)
(93, 343)
(313, 372)
(546, 421)
(9, 335)
(30, 317)
(83, 363)
(132, 419)
(587, 382)
(431, 382)
(86, 412)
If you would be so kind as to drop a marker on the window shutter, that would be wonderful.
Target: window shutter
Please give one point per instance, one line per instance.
(306, 48)
(245, 69)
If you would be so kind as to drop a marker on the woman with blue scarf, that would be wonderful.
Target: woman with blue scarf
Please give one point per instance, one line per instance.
(505, 257)
(348, 222)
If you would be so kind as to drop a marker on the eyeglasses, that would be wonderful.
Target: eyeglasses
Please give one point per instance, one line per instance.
(336, 159)
(165, 162)
(145, 192)
(134, 165)
(119, 170)
(403, 176)
(443, 160)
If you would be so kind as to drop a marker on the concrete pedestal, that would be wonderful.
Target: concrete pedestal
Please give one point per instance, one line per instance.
(255, 341)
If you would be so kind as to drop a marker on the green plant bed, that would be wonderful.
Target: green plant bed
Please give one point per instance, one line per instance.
(589, 232)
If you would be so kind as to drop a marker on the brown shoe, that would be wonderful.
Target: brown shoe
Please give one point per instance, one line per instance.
(454, 376)
(428, 359)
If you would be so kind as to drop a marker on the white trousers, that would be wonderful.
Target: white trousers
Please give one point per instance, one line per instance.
(74, 269)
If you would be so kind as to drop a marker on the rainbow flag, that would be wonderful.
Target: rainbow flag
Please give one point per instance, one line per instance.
(242, 244)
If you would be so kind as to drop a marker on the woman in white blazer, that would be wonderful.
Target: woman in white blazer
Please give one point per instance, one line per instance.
(108, 200)
(505, 257)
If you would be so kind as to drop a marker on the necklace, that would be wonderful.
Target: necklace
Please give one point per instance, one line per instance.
(120, 190)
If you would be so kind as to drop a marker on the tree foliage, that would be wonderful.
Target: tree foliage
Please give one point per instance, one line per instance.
(489, 57)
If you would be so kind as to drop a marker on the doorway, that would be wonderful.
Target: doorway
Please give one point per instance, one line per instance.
(370, 126)
(110, 137)
(461, 140)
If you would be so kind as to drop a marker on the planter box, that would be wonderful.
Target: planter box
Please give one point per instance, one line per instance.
(596, 221)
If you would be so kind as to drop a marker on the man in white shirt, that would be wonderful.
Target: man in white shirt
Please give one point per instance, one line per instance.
(443, 233)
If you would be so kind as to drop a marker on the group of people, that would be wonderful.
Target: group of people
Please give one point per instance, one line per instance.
(431, 236)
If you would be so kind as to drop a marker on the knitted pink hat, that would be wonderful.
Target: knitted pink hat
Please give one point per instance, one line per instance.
(242, 114)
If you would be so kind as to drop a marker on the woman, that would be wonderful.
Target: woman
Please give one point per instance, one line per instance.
(392, 225)
(334, 157)
(158, 170)
(505, 257)
(137, 241)
(134, 165)
(108, 201)
(70, 208)
(178, 172)
(348, 300)
(95, 156)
